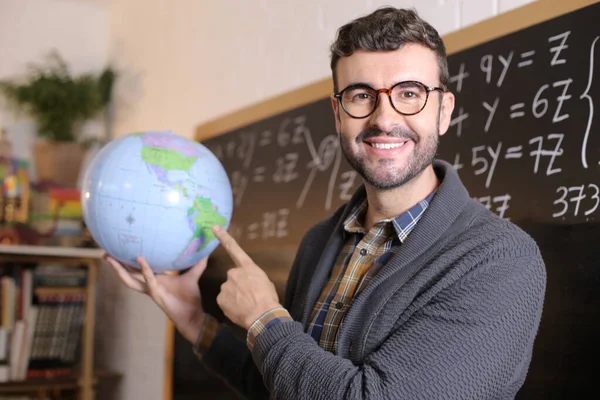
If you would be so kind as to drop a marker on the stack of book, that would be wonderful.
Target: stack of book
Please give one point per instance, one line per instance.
(42, 313)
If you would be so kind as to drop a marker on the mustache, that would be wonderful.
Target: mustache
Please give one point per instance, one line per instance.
(397, 132)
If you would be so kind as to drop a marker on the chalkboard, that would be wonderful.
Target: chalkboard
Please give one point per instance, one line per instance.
(526, 143)
(524, 140)
(286, 173)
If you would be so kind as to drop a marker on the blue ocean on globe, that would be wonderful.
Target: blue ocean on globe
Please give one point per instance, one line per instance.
(157, 195)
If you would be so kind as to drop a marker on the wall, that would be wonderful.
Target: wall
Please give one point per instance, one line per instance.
(182, 63)
(30, 29)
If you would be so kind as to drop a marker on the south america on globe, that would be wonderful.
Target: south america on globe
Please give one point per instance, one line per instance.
(156, 194)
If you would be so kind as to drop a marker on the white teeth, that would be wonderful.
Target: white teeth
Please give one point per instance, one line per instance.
(387, 145)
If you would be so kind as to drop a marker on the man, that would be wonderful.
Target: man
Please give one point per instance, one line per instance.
(412, 290)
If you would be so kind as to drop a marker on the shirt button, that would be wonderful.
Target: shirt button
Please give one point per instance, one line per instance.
(363, 252)
(339, 305)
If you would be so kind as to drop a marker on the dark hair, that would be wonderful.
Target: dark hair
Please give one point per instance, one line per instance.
(387, 29)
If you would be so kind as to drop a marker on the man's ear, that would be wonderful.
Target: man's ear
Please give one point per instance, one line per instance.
(335, 105)
(446, 109)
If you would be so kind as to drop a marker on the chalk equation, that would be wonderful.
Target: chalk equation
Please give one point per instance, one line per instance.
(550, 99)
(508, 119)
(290, 144)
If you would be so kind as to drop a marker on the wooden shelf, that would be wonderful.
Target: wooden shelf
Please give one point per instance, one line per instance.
(58, 383)
(87, 378)
(51, 251)
(46, 290)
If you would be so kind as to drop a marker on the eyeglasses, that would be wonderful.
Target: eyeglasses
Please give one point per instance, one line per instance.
(407, 98)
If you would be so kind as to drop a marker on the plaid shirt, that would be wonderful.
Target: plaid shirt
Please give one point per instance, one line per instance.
(362, 256)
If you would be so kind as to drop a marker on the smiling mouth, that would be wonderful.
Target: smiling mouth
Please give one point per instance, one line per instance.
(386, 146)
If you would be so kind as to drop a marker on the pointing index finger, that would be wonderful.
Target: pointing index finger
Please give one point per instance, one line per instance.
(237, 254)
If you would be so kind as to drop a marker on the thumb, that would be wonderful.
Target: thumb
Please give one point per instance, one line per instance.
(197, 270)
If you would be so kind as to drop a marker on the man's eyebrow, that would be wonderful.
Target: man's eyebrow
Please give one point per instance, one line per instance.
(360, 84)
(365, 84)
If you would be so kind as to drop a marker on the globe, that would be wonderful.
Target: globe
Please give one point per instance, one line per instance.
(156, 194)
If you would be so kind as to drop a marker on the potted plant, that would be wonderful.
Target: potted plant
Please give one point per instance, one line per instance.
(59, 103)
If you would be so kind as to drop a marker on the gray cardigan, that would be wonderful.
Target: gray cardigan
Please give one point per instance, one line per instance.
(453, 315)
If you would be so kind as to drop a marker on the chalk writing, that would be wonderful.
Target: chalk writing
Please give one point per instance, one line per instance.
(590, 100)
(557, 50)
(348, 179)
(285, 168)
(459, 79)
(492, 111)
(571, 199)
(496, 204)
(321, 161)
(486, 166)
(486, 65)
(553, 152)
(458, 120)
(526, 58)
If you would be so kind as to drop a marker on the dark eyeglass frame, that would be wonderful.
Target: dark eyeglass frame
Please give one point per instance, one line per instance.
(428, 89)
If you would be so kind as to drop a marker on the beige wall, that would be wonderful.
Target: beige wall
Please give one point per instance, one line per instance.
(30, 29)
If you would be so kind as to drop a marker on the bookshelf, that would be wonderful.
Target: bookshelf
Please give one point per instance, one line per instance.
(87, 378)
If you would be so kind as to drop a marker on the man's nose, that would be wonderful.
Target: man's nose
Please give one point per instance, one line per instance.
(385, 117)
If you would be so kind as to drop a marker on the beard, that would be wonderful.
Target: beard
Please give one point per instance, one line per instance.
(386, 175)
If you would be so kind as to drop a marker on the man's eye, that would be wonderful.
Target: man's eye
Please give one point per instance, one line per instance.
(362, 96)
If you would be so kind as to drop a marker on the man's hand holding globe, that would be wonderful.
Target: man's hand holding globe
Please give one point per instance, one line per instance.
(245, 296)
(177, 295)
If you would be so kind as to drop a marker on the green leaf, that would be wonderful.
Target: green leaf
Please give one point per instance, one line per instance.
(58, 101)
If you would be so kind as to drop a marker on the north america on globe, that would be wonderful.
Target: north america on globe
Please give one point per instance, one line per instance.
(164, 155)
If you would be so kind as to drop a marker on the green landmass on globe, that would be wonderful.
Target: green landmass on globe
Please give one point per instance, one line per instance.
(206, 216)
(206, 213)
(167, 159)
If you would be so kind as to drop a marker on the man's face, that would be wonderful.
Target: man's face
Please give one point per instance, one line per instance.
(387, 148)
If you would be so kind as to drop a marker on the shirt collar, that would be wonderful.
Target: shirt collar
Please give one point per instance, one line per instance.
(403, 224)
